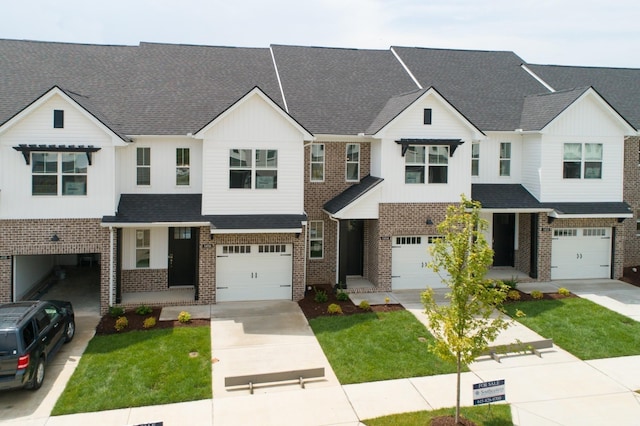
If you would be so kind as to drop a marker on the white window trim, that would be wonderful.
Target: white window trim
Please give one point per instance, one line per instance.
(422, 164)
(322, 163)
(183, 166)
(135, 262)
(430, 164)
(321, 239)
(583, 160)
(143, 166)
(346, 164)
(505, 159)
(476, 159)
(60, 174)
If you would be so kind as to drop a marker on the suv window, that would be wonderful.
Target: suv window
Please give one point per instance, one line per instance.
(8, 343)
(42, 320)
(52, 311)
(28, 334)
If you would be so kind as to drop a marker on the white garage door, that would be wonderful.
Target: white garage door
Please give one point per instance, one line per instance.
(581, 253)
(409, 259)
(253, 272)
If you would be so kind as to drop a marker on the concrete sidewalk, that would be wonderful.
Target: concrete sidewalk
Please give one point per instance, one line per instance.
(555, 389)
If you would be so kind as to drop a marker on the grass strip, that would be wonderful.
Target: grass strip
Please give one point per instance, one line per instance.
(140, 368)
(378, 346)
(581, 327)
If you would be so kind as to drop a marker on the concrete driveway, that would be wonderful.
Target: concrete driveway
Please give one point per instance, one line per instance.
(33, 407)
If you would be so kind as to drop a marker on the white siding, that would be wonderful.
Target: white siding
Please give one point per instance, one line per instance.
(489, 171)
(532, 163)
(584, 122)
(366, 207)
(163, 165)
(37, 128)
(254, 124)
(159, 247)
(445, 125)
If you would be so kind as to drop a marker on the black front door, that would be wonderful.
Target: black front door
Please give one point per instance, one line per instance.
(504, 231)
(183, 243)
(351, 248)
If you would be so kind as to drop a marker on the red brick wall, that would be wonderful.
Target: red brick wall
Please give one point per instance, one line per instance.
(136, 280)
(323, 271)
(631, 194)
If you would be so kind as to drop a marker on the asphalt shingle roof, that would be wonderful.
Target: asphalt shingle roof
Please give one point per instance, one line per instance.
(487, 87)
(339, 91)
(150, 208)
(619, 86)
(263, 221)
(540, 110)
(351, 194)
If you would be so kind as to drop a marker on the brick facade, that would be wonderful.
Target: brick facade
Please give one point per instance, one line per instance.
(631, 194)
(137, 280)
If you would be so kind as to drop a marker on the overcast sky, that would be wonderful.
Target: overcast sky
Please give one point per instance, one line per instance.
(567, 32)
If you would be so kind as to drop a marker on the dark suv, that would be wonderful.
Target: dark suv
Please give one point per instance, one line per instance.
(30, 334)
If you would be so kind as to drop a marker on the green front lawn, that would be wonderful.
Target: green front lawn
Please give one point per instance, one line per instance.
(482, 415)
(372, 346)
(140, 368)
(581, 327)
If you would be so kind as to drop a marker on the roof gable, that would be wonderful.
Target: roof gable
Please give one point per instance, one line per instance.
(83, 104)
(256, 91)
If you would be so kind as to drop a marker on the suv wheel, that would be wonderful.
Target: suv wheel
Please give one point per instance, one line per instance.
(70, 331)
(38, 375)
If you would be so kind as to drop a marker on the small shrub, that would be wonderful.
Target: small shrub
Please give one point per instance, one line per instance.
(149, 322)
(563, 291)
(334, 309)
(536, 294)
(512, 283)
(116, 311)
(513, 295)
(364, 305)
(321, 296)
(143, 310)
(184, 317)
(342, 296)
(121, 323)
(386, 300)
(520, 314)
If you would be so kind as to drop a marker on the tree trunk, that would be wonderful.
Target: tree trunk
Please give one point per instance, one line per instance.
(458, 389)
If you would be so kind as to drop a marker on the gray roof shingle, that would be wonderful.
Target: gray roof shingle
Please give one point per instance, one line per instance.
(263, 221)
(351, 194)
(619, 86)
(540, 110)
(338, 91)
(153, 208)
(487, 87)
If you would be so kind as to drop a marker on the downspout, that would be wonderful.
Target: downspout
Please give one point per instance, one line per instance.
(110, 266)
(337, 221)
(304, 269)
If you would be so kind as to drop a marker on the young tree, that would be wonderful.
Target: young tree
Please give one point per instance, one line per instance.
(464, 327)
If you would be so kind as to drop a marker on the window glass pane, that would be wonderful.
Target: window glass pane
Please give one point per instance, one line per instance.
(592, 170)
(74, 163)
(317, 153)
(143, 237)
(573, 151)
(414, 174)
(143, 156)
(438, 155)
(266, 158)
(266, 179)
(317, 171)
(239, 178)
(505, 149)
(353, 152)
(182, 156)
(182, 176)
(475, 167)
(142, 258)
(240, 158)
(352, 171)
(415, 155)
(44, 162)
(505, 167)
(437, 174)
(44, 185)
(593, 152)
(571, 170)
(316, 249)
(475, 150)
(143, 176)
(74, 185)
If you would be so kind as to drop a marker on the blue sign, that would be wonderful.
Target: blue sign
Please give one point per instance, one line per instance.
(487, 392)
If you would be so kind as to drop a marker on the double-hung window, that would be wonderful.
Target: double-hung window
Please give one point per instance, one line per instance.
(475, 159)
(582, 161)
(505, 158)
(50, 168)
(316, 239)
(353, 162)
(143, 248)
(243, 168)
(438, 164)
(182, 166)
(143, 166)
(414, 164)
(317, 163)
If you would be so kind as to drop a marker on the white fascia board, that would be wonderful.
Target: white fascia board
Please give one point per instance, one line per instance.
(255, 92)
(557, 215)
(342, 138)
(515, 210)
(154, 224)
(256, 231)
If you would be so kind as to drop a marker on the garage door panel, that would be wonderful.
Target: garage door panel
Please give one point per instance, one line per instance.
(258, 272)
(409, 264)
(581, 253)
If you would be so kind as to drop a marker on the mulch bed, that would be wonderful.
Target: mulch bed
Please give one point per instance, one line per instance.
(107, 322)
(313, 309)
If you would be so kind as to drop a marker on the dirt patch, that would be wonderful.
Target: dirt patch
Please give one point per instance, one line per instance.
(313, 309)
(136, 322)
(631, 275)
